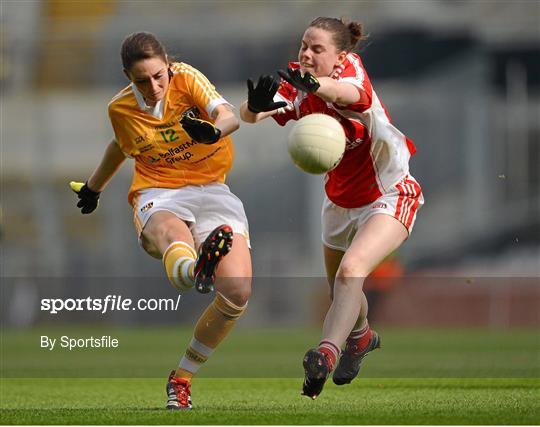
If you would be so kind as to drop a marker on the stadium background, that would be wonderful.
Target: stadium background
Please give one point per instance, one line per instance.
(461, 79)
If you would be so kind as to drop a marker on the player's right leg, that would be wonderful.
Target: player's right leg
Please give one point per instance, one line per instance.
(166, 236)
(332, 260)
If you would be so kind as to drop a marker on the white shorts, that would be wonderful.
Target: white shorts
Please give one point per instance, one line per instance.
(201, 207)
(339, 225)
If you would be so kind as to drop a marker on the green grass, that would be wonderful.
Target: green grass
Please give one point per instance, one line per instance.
(418, 377)
(272, 401)
(273, 353)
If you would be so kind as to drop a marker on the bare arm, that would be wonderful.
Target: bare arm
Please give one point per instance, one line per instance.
(110, 163)
(337, 92)
(326, 88)
(250, 117)
(225, 120)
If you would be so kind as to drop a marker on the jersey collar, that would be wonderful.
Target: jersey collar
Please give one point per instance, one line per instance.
(156, 111)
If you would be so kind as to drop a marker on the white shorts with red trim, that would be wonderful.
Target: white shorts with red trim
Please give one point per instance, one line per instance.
(339, 225)
(201, 207)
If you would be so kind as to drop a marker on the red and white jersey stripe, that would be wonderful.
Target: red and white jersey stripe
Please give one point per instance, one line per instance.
(377, 154)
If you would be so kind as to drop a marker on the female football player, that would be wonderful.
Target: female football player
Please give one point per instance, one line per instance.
(371, 199)
(176, 126)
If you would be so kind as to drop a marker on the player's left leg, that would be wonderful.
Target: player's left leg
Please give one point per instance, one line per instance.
(401, 204)
(360, 341)
(214, 248)
(374, 241)
(233, 288)
(377, 238)
(229, 268)
(361, 331)
(235, 273)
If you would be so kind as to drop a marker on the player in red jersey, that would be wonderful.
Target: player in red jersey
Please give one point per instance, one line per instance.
(371, 200)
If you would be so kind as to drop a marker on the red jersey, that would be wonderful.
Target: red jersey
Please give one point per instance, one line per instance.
(376, 155)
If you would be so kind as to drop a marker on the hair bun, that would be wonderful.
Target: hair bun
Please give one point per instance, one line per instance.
(356, 31)
(346, 34)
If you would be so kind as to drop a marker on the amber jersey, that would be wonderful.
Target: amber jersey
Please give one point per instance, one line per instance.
(165, 156)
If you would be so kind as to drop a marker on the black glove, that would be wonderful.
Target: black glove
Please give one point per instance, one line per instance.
(88, 199)
(261, 97)
(306, 83)
(200, 130)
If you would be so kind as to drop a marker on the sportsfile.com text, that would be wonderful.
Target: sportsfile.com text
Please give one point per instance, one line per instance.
(109, 303)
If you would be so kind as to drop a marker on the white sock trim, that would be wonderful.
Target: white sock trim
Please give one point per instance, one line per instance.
(360, 332)
(188, 365)
(330, 346)
(181, 274)
(174, 246)
(199, 347)
(187, 272)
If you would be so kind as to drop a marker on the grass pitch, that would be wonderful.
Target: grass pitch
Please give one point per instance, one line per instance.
(273, 401)
(419, 377)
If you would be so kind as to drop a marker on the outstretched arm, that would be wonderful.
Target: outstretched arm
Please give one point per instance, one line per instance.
(326, 88)
(260, 103)
(249, 116)
(337, 92)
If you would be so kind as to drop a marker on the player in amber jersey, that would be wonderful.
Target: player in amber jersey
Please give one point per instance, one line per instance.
(176, 127)
(158, 141)
(371, 199)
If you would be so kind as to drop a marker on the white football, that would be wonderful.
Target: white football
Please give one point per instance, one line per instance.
(317, 143)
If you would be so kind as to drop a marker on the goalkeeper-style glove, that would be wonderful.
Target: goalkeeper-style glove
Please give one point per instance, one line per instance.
(306, 83)
(200, 130)
(261, 97)
(88, 199)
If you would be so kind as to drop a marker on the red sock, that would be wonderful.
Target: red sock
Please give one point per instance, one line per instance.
(331, 351)
(358, 339)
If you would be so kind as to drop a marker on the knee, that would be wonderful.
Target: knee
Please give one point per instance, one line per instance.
(237, 291)
(240, 298)
(241, 294)
(353, 268)
(350, 275)
(161, 234)
(149, 247)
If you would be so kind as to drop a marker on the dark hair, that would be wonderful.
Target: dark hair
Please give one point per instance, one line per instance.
(138, 46)
(346, 34)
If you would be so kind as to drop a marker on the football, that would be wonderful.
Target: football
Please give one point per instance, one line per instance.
(317, 143)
